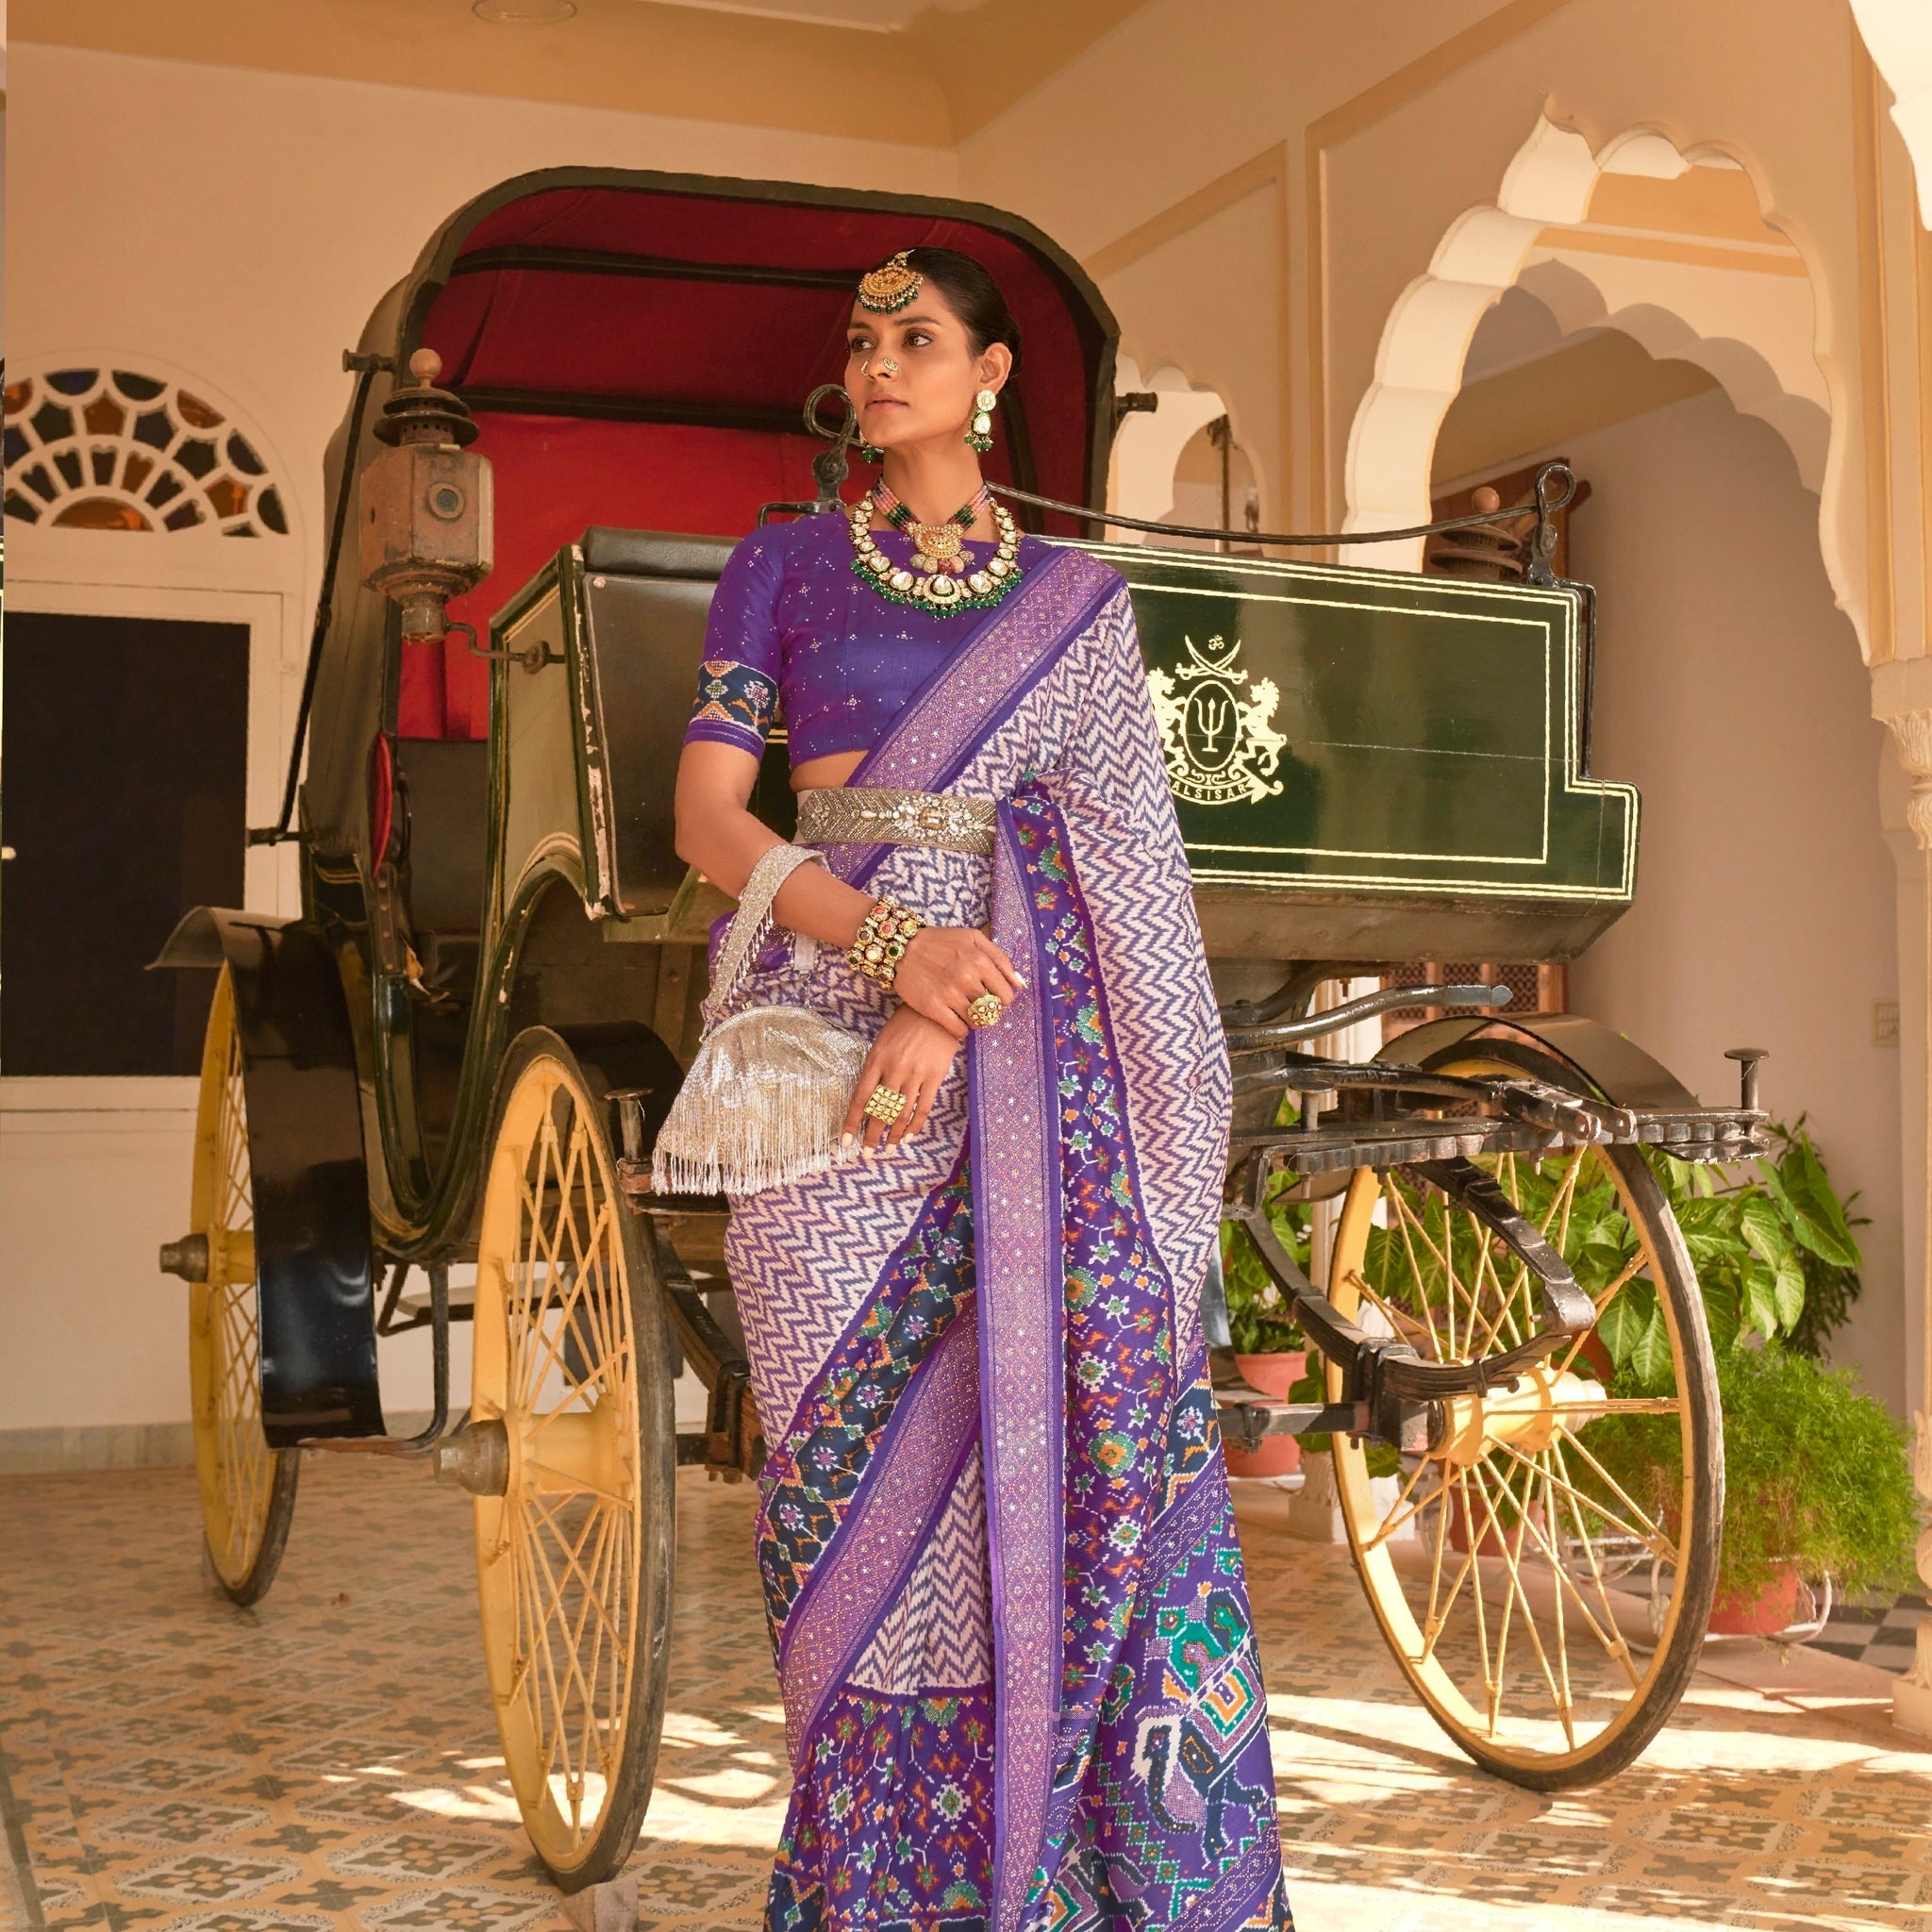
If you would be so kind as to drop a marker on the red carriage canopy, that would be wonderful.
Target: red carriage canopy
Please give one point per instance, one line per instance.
(638, 355)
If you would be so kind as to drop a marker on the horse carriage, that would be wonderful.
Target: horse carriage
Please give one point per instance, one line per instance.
(432, 1097)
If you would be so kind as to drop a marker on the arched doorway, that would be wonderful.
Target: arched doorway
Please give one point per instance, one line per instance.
(1632, 311)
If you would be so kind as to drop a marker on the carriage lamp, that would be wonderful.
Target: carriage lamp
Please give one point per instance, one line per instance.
(427, 503)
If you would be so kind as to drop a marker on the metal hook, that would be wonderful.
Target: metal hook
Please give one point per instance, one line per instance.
(1541, 566)
(831, 467)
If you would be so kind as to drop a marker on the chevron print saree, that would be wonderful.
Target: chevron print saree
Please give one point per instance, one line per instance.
(1012, 1632)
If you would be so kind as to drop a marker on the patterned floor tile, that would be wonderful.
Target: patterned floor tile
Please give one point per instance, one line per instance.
(410, 1857)
(457, 1909)
(326, 1762)
(207, 1877)
(178, 1822)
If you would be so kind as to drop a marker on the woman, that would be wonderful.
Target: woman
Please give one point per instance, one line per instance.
(1020, 1685)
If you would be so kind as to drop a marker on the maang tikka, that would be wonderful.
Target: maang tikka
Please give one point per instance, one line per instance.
(980, 436)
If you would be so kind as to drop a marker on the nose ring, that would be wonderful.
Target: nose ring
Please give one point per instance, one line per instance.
(889, 367)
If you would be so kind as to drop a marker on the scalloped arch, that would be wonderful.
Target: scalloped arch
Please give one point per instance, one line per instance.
(1764, 362)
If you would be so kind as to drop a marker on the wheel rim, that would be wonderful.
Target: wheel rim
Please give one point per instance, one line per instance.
(235, 1464)
(1511, 1568)
(557, 1554)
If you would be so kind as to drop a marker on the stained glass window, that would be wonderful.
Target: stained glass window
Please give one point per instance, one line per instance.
(112, 449)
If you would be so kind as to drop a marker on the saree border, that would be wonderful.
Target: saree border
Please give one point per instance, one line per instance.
(935, 1220)
(1017, 1231)
(862, 1572)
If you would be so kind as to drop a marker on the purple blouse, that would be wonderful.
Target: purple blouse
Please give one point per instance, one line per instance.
(794, 632)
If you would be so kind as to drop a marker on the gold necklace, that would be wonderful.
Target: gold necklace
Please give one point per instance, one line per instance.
(941, 576)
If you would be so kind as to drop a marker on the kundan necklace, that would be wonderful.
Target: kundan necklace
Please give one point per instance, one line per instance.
(942, 577)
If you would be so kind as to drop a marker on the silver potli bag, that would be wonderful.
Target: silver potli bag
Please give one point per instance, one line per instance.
(766, 1097)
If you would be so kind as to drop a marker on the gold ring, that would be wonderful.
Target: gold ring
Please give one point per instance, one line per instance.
(884, 1105)
(984, 1011)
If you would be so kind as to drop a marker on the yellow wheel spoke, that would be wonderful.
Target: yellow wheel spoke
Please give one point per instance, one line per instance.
(1501, 1570)
(1411, 1227)
(1511, 1539)
(235, 1468)
(1398, 1319)
(557, 1360)
(1402, 1510)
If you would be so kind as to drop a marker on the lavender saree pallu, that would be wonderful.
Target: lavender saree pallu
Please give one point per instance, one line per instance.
(1021, 1687)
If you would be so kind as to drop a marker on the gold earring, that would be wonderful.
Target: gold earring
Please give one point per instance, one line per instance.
(980, 436)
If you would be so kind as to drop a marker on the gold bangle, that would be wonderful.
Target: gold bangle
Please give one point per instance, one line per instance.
(884, 934)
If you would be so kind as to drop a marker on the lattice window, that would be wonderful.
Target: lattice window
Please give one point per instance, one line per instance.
(1536, 989)
(112, 449)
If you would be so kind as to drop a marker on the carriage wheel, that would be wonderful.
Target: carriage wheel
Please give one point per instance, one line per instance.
(247, 1488)
(574, 1556)
(1515, 1569)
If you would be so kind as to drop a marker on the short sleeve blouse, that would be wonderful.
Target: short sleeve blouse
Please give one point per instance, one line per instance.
(794, 634)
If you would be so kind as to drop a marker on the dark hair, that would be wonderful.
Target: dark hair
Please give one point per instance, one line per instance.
(972, 294)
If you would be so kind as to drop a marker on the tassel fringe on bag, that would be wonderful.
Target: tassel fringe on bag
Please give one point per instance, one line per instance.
(767, 1094)
(762, 1104)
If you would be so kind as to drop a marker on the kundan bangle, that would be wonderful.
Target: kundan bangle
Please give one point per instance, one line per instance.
(884, 934)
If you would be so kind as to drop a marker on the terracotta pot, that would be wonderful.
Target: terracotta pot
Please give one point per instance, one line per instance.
(1513, 1539)
(1273, 1373)
(1772, 1608)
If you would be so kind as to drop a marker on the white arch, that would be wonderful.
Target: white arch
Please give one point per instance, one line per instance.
(1147, 451)
(1797, 408)
(1763, 360)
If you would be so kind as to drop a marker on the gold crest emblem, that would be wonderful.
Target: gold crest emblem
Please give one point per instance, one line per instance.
(1217, 731)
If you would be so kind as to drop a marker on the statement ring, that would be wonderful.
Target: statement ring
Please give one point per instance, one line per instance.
(884, 1105)
(984, 1011)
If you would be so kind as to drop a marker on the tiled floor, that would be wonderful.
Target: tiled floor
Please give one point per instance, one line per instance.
(1881, 1630)
(326, 1760)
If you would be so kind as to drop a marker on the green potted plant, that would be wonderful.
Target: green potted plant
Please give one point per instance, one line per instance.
(1270, 1349)
(1817, 1484)
(1817, 1477)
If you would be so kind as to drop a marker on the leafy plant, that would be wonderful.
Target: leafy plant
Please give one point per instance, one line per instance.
(1774, 1255)
(1259, 1318)
(1829, 1256)
(1257, 1314)
(1813, 1469)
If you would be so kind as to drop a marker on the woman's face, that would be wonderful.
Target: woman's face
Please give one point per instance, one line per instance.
(912, 377)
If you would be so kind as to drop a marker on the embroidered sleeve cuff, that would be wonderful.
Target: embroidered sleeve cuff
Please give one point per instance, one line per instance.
(734, 705)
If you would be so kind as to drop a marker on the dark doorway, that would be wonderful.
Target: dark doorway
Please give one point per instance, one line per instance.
(125, 757)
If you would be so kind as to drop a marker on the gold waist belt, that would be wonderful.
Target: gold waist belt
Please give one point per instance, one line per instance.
(870, 815)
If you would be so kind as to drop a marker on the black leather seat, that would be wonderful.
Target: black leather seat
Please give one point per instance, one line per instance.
(645, 597)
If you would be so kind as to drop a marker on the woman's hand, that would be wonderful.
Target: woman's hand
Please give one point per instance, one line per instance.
(945, 968)
(911, 1056)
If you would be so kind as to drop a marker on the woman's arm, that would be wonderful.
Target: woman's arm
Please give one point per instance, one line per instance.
(946, 967)
(718, 834)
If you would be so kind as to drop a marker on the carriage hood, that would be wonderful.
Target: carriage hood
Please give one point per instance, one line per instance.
(637, 347)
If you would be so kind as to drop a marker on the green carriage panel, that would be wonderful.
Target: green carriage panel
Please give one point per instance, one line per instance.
(1376, 766)
(1367, 766)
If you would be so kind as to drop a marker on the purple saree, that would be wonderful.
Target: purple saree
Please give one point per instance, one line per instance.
(1020, 1685)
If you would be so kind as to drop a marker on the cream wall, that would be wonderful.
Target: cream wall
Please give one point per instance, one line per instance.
(1152, 135)
(236, 227)
(1764, 913)
(244, 224)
